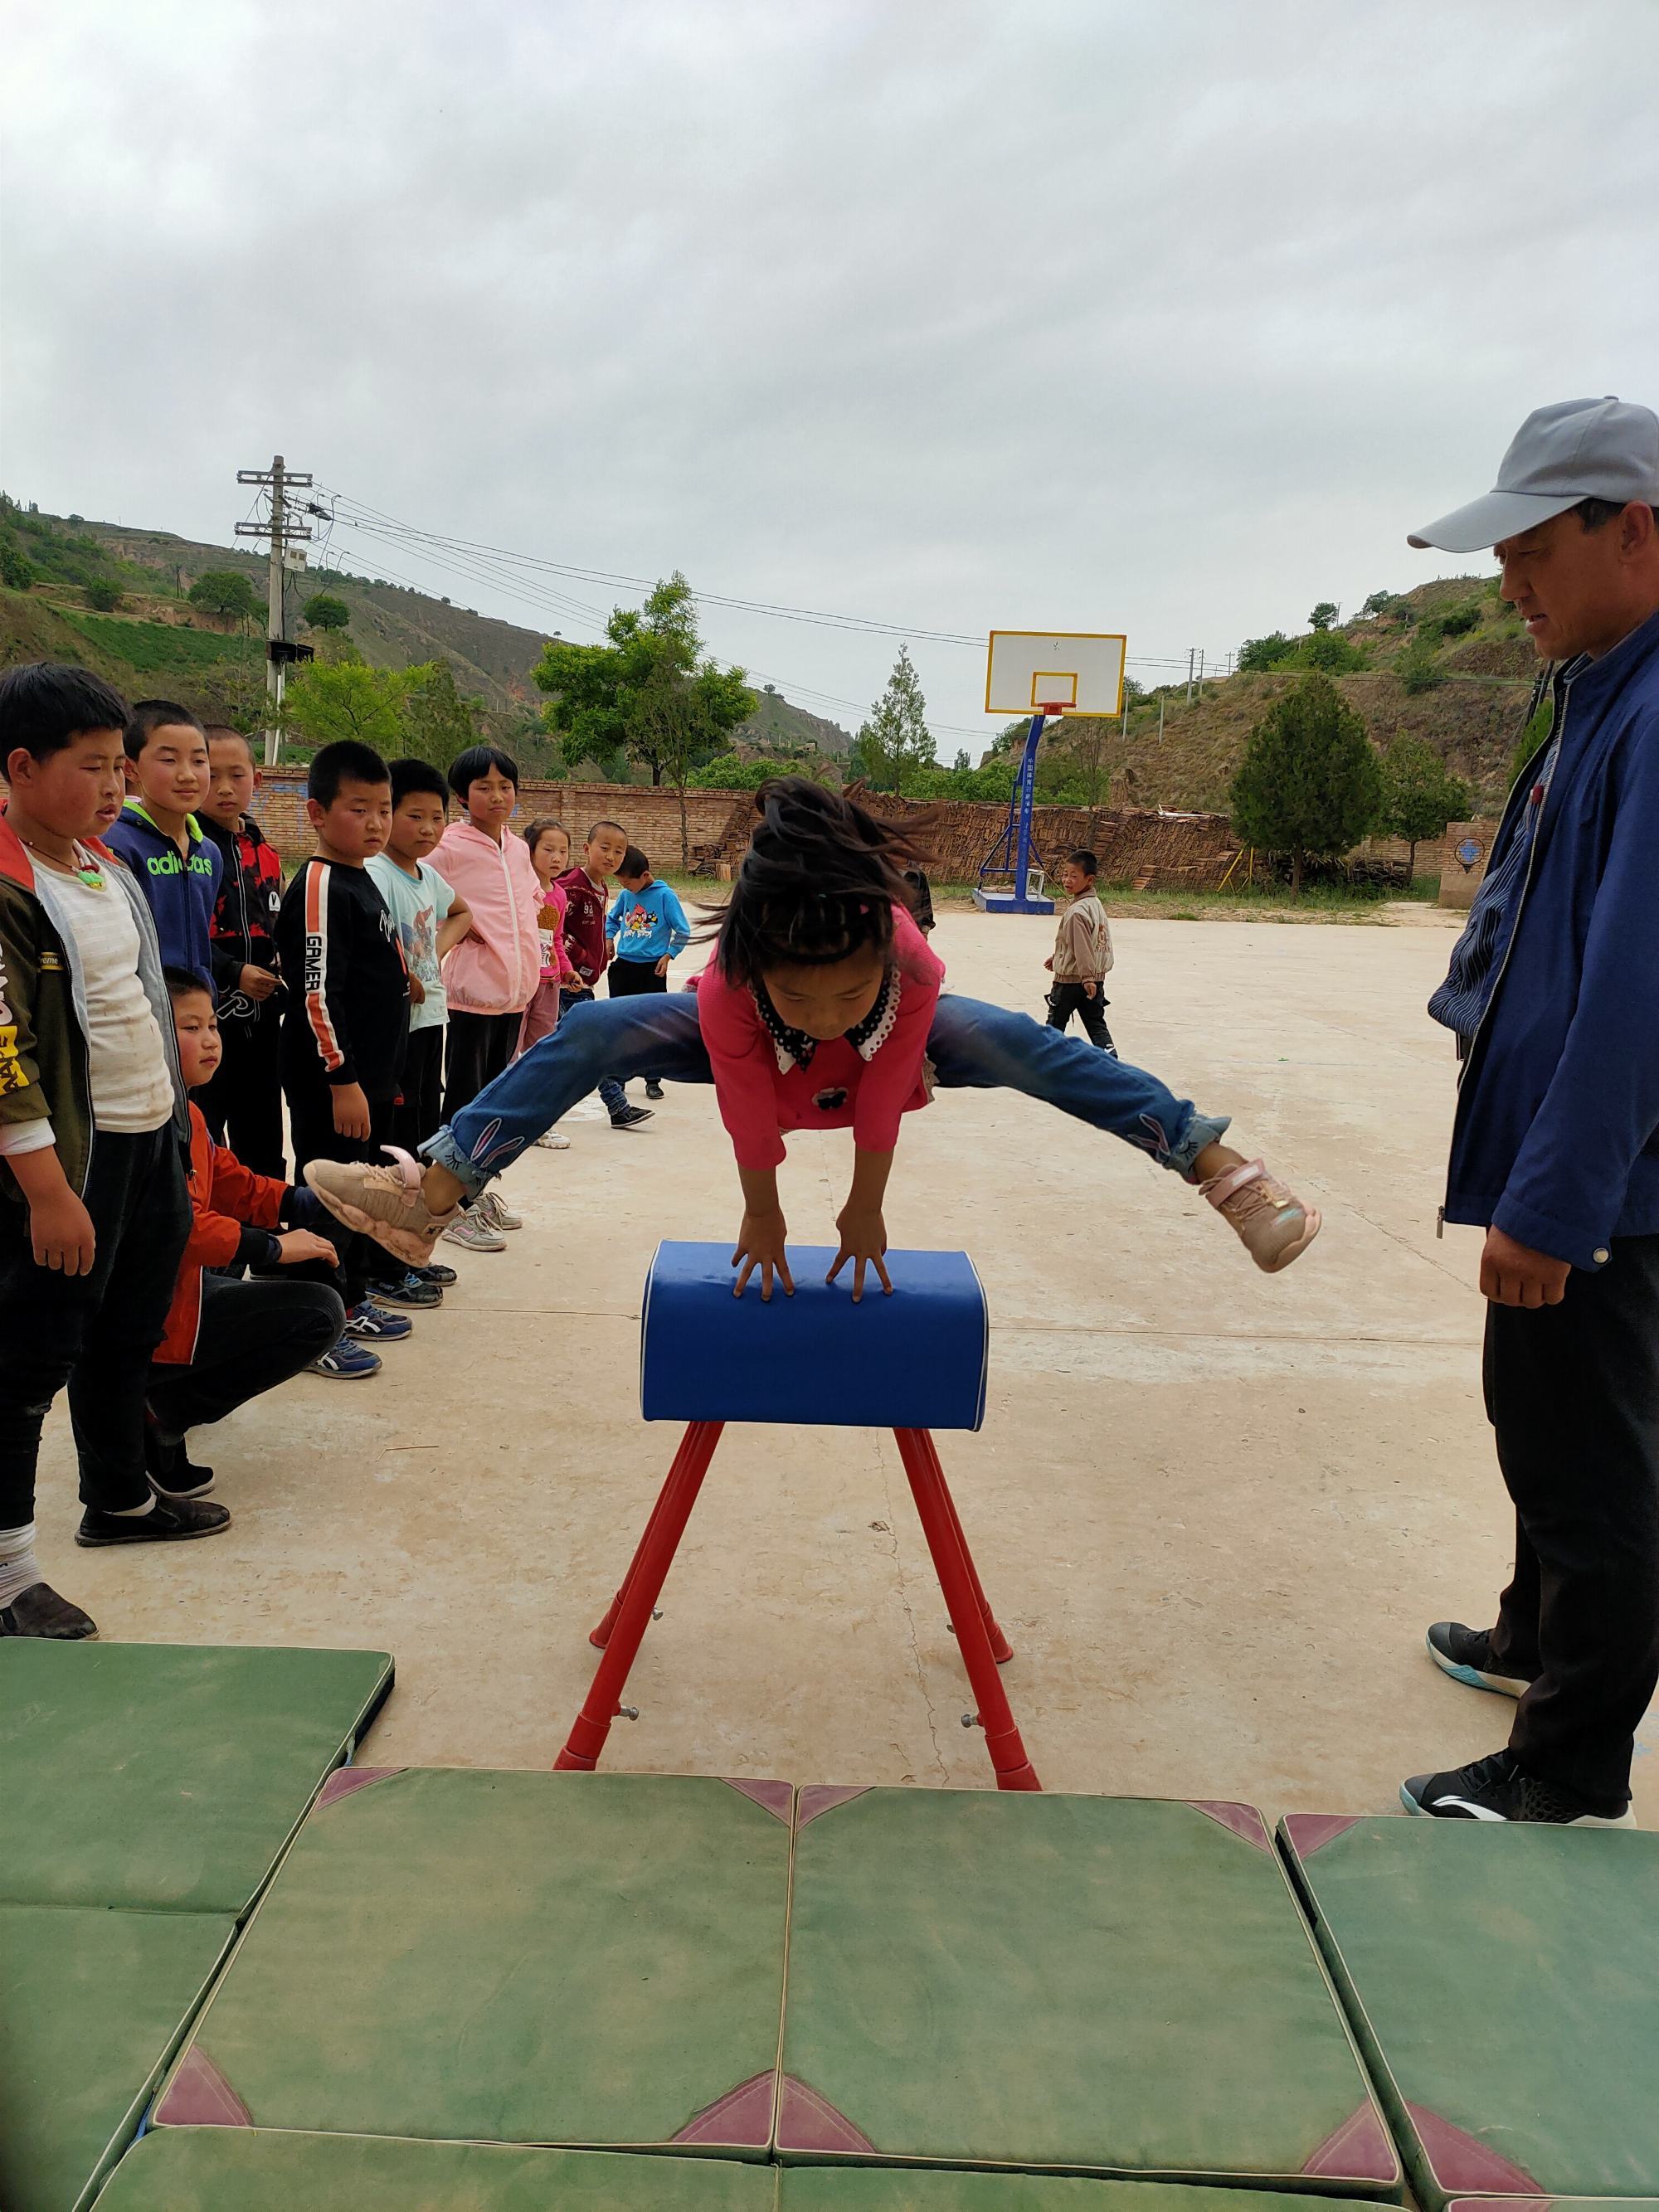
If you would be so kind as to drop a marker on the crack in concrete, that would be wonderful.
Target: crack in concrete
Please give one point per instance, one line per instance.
(910, 1618)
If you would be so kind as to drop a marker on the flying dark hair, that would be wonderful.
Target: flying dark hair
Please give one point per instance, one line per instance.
(819, 881)
(409, 776)
(182, 984)
(150, 716)
(477, 761)
(634, 863)
(346, 761)
(44, 704)
(1083, 859)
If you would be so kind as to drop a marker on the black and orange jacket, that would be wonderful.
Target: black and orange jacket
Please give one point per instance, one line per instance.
(226, 1202)
(43, 1039)
(243, 933)
(346, 1017)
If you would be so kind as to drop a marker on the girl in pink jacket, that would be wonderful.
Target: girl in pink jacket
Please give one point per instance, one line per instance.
(492, 974)
(821, 1010)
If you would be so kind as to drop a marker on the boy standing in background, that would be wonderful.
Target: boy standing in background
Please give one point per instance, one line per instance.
(245, 1097)
(1082, 955)
(645, 930)
(158, 836)
(346, 1020)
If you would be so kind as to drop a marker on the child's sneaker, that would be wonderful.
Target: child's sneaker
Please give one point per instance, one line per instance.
(368, 1323)
(551, 1141)
(435, 1271)
(495, 1211)
(629, 1117)
(347, 1362)
(1271, 1221)
(408, 1287)
(382, 1202)
(470, 1230)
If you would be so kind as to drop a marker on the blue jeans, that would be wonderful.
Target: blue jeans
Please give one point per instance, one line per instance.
(973, 1047)
(612, 1096)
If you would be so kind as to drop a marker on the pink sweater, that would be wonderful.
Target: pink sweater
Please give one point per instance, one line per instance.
(763, 1091)
(497, 969)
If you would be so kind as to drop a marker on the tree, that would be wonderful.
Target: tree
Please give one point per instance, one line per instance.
(1379, 603)
(896, 743)
(1328, 651)
(1258, 654)
(16, 570)
(732, 772)
(437, 722)
(649, 693)
(1420, 794)
(1416, 667)
(104, 594)
(349, 699)
(1324, 615)
(1309, 785)
(322, 611)
(224, 591)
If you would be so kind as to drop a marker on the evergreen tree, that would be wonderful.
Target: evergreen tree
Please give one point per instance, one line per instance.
(438, 723)
(1420, 794)
(895, 745)
(1309, 785)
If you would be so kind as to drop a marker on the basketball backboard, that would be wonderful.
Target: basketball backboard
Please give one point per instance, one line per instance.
(1067, 671)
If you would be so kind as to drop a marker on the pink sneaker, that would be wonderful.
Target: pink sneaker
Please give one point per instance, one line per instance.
(384, 1203)
(1271, 1221)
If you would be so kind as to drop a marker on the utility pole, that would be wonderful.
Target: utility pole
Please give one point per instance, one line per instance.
(283, 533)
(1192, 655)
(1200, 674)
(1161, 704)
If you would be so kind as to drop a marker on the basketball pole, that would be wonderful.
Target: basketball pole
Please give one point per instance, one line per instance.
(1027, 797)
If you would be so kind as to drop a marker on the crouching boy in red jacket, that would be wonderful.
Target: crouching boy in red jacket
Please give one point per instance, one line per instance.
(227, 1341)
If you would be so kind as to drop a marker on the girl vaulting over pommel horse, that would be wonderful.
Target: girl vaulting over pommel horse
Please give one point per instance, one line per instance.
(821, 1009)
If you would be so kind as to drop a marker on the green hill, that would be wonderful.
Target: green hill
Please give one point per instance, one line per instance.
(1447, 661)
(156, 642)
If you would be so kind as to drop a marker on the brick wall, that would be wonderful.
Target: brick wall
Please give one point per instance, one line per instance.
(1135, 845)
(651, 816)
(1459, 878)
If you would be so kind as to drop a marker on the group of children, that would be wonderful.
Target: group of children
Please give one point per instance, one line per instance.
(163, 997)
(420, 985)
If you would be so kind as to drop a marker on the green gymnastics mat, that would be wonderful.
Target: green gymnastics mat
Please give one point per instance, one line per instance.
(165, 1775)
(92, 2004)
(589, 1960)
(1089, 1984)
(254, 2170)
(1504, 1981)
(916, 2189)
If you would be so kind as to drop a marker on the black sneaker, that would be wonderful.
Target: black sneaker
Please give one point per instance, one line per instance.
(652, 1088)
(1465, 1653)
(436, 1272)
(409, 1289)
(629, 1117)
(172, 1474)
(39, 1611)
(167, 1523)
(1500, 1789)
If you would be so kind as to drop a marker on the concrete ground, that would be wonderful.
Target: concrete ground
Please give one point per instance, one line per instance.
(1214, 1510)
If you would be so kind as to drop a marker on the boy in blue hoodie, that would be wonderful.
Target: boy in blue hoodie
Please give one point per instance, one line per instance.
(178, 867)
(647, 929)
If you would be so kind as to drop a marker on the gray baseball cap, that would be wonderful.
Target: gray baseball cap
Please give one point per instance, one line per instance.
(1577, 449)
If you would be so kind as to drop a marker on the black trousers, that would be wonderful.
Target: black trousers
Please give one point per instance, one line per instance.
(94, 1332)
(630, 979)
(243, 1104)
(480, 1046)
(1572, 1392)
(252, 1336)
(1066, 1000)
(311, 1125)
(420, 1110)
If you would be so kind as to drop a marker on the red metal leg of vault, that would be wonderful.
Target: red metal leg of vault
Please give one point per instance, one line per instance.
(626, 1623)
(977, 1633)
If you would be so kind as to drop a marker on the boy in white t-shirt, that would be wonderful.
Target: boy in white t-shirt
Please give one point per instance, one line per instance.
(431, 917)
(91, 1234)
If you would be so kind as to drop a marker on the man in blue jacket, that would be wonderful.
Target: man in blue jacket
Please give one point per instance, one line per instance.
(1553, 997)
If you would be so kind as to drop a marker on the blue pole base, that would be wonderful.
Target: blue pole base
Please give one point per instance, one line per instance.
(1010, 903)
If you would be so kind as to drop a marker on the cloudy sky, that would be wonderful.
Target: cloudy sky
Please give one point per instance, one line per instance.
(1168, 319)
